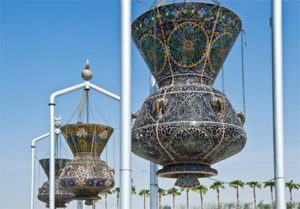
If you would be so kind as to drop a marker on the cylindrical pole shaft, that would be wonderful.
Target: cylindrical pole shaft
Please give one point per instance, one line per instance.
(52, 160)
(32, 179)
(33, 166)
(278, 104)
(153, 166)
(125, 167)
(52, 137)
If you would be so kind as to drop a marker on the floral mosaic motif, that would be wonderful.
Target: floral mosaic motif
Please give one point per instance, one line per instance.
(189, 141)
(59, 164)
(191, 38)
(153, 51)
(62, 196)
(86, 176)
(187, 181)
(187, 125)
(187, 44)
(220, 48)
(83, 137)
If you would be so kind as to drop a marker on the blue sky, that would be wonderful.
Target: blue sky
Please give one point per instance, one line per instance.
(44, 45)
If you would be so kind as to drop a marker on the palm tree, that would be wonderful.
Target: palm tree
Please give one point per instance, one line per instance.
(133, 190)
(217, 186)
(161, 192)
(291, 185)
(105, 197)
(270, 184)
(201, 189)
(174, 192)
(187, 197)
(145, 193)
(253, 185)
(117, 190)
(236, 184)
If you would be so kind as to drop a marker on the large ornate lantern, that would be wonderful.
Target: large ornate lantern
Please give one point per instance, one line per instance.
(62, 196)
(187, 125)
(86, 175)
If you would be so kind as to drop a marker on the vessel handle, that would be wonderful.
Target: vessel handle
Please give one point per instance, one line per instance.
(241, 116)
(68, 169)
(160, 106)
(134, 115)
(218, 103)
(112, 171)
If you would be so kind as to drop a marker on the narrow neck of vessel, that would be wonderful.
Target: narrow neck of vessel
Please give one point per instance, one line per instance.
(186, 79)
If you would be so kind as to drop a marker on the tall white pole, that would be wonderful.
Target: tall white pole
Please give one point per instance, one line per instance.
(125, 167)
(153, 166)
(52, 159)
(278, 134)
(33, 166)
(52, 140)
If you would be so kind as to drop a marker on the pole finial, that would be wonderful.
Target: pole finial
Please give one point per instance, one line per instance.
(87, 64)
(87, 74)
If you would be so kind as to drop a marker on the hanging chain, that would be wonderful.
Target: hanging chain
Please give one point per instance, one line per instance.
(243, 70)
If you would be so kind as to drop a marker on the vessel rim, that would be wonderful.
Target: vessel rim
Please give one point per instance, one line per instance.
(200, 2)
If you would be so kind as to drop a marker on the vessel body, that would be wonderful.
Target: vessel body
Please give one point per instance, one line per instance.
(62, 196)
(187, 125)
(86, 175)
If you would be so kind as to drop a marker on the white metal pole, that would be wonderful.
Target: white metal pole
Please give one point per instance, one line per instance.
(33, 166)
(125, 167)
(153, 166)
(278, 104)
(105, 92)
(85, 85)
(52, 140)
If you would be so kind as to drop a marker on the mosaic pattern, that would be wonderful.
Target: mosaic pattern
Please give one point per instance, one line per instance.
(190, 38)
(62, 196)
(187, 125)
(89, 138)
(59, 164)
(86, 175)
(187, 181)
(187, 44)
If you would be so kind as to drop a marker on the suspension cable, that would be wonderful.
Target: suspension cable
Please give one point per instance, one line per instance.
(243, 70)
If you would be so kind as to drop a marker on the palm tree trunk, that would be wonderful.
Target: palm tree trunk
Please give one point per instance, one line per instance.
(118, 199)
(173, 201)
(159, 201)
(201, 197)
(237, 198)
(218, 196)
(144, 200)
(187, 199)
(94, 206)
(254, 195)
(291, 198)
(272, 197)
(105, 200)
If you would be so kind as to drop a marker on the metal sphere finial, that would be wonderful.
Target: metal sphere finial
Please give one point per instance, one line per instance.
(87, 73)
